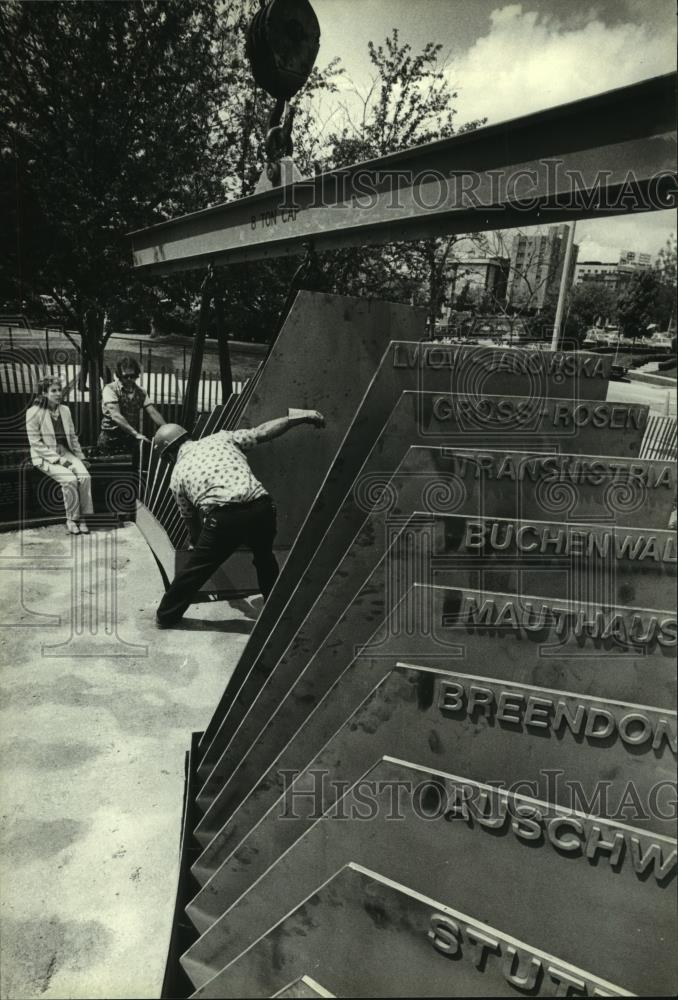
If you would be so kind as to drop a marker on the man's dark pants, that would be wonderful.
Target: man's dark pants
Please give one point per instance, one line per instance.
(224, 530)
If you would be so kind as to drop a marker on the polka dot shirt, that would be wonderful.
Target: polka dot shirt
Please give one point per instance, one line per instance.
(213, 471)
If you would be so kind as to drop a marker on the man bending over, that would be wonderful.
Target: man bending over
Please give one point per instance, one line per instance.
(223, 504)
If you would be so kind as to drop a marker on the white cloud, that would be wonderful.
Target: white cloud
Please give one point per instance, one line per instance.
(529, 61)
(603, 239)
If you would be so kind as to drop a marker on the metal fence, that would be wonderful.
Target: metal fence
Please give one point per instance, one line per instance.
(18, 383)
(51, 344)
(659, 440)
(164, 387)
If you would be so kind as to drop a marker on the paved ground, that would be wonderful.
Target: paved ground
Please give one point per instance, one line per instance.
(662, 401)
(94, 728)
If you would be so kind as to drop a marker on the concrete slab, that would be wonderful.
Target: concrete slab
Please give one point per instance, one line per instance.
(304, 987)
(441, 549)
(95, 724)
(471, 846)
(589, 563)
(369, 455)
(662, 402)
(323, 359)
(530, 485)
(422, 948)
(448, 721)
(447, 632)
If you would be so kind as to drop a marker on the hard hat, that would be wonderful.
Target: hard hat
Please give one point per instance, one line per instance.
(168, 435)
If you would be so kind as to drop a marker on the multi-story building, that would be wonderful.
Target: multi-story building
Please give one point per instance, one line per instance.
(536, 266)
(598, 271)
(479, 279)
(632, 258)
(611, 275)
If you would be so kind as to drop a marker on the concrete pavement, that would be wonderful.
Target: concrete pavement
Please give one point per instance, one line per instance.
(660, 399)
(94, 727)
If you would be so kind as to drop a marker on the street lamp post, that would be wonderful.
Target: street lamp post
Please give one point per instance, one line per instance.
(564, 283)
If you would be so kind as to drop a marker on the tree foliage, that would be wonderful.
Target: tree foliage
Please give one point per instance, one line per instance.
(120, 115)
(645, 300)
(526, 308)
(592, 303)
(408, 102)
(665, 264)
(109, 106)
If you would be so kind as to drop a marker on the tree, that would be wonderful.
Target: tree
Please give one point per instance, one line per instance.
(534, 304)
(590, 303)
(585, 305)
(120, 115)
(408, 102)
(642, 302)
(464, 300)
(667, 272)
(110, 108)
(527, 306)
(665, 264)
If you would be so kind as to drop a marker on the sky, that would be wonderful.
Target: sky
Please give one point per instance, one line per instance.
(508, 59)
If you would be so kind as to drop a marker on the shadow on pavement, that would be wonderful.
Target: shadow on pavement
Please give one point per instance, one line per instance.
(237, 626)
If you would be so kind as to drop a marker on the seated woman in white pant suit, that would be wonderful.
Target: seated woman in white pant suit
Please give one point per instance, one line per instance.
(56, 451)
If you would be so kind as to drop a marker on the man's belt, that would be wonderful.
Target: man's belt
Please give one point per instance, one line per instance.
(235, 505)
